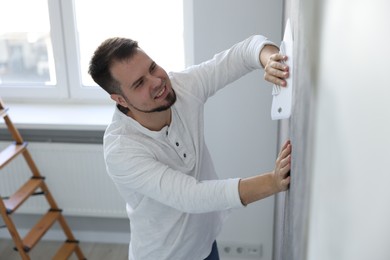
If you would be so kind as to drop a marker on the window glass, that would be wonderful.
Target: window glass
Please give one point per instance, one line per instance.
(26, 54)
(156, 25)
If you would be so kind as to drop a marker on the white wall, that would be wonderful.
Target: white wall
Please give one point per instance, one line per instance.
(350, 208)
(239, 131)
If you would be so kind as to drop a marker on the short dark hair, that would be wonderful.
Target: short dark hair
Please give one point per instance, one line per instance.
(110, 51)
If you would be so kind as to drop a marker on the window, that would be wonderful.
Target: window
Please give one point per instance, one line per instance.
(45, 46)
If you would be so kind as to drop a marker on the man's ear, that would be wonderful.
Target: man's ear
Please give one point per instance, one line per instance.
(119, 100)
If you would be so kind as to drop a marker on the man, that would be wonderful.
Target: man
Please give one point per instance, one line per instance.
(155, 151)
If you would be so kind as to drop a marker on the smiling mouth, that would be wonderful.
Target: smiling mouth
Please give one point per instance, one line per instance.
(161, 92)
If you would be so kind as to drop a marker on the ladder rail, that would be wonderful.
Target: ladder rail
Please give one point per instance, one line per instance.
(13, 232)
(11, 128)
(34, 169)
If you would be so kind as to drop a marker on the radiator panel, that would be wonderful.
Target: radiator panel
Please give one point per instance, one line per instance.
(75, 175)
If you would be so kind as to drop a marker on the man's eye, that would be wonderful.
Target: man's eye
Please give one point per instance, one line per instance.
(140, 83)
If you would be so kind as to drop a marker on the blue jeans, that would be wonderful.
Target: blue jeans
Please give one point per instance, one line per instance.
(214, 253)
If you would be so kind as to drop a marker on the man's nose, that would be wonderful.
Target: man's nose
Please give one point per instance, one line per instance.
(155, 81)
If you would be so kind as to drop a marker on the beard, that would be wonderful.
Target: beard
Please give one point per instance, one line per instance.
(171, 99)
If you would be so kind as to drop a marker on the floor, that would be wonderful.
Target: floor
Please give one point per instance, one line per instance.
(46, 249)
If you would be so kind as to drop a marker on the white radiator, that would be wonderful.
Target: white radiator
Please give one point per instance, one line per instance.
(75, 175)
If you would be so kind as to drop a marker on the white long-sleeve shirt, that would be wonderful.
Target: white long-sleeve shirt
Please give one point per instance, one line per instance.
(175, 202)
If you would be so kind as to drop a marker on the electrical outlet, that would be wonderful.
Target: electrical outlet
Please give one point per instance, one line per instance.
(240, 250)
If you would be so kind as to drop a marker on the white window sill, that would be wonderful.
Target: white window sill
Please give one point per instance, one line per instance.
(60, 116)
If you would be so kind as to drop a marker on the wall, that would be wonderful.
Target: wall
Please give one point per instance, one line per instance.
(338, 203)
(239, 131)
(350, 208)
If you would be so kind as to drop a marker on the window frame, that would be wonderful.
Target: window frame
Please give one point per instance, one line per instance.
(76, 88)
(64, 37)
(36, 91)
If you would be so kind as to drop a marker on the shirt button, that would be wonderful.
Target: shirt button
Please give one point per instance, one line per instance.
(177, 144)
(166, 133)
(185, 155)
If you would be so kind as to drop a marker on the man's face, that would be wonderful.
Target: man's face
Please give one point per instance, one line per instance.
(145, 86)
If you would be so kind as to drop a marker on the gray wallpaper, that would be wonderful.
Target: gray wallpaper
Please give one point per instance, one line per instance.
(292, 207)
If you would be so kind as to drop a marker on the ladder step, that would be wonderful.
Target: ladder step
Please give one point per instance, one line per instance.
(11, 152)
(39, 230)
(22, 194)
(66, 250)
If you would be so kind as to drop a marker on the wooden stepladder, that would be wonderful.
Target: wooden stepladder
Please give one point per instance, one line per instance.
(34, 186)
